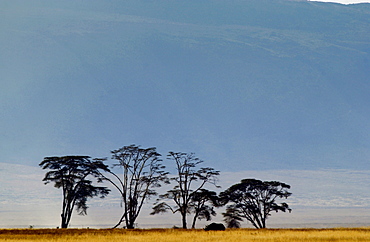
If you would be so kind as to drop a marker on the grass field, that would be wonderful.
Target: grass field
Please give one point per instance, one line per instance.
(160, 235)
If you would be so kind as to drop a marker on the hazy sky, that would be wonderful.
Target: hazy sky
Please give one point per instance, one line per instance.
(344, 1)
(332, 198)
(82, 77)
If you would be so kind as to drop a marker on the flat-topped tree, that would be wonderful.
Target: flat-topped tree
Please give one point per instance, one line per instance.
(74, 175)
(189, 182)
(254, 200)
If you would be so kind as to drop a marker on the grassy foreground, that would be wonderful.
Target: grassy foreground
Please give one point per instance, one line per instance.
(163, 235)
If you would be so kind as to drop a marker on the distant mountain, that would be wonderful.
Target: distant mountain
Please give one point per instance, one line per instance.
(258, 84)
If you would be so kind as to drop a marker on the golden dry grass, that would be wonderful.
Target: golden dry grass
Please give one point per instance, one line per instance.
(177, 235)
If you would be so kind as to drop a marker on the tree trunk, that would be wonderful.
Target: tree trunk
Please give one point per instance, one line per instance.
(263, 223)
(194, 220)
(64, 224)
(131, 222)
(184, 225)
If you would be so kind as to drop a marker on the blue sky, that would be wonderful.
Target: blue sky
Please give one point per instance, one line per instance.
(86, 78)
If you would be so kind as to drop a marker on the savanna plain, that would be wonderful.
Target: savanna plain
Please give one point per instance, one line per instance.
(160, 235)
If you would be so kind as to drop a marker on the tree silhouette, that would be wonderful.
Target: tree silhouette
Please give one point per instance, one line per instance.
(201, 204)
(72, 173)
(254, 200)
(189, 181)
(142, 171)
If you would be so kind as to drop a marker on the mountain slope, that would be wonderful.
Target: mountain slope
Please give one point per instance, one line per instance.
(258, 84)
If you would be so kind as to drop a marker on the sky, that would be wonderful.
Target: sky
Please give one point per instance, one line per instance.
(345, 1)
(85, 79)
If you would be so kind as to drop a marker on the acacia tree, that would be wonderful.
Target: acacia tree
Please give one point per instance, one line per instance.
(142, 171)
(73, 174)
(189, 181)
(254, 200)
(202, 205)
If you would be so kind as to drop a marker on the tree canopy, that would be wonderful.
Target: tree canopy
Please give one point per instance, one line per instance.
(254, 200)
(142, 171)
(73, 174)
(189, 182)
